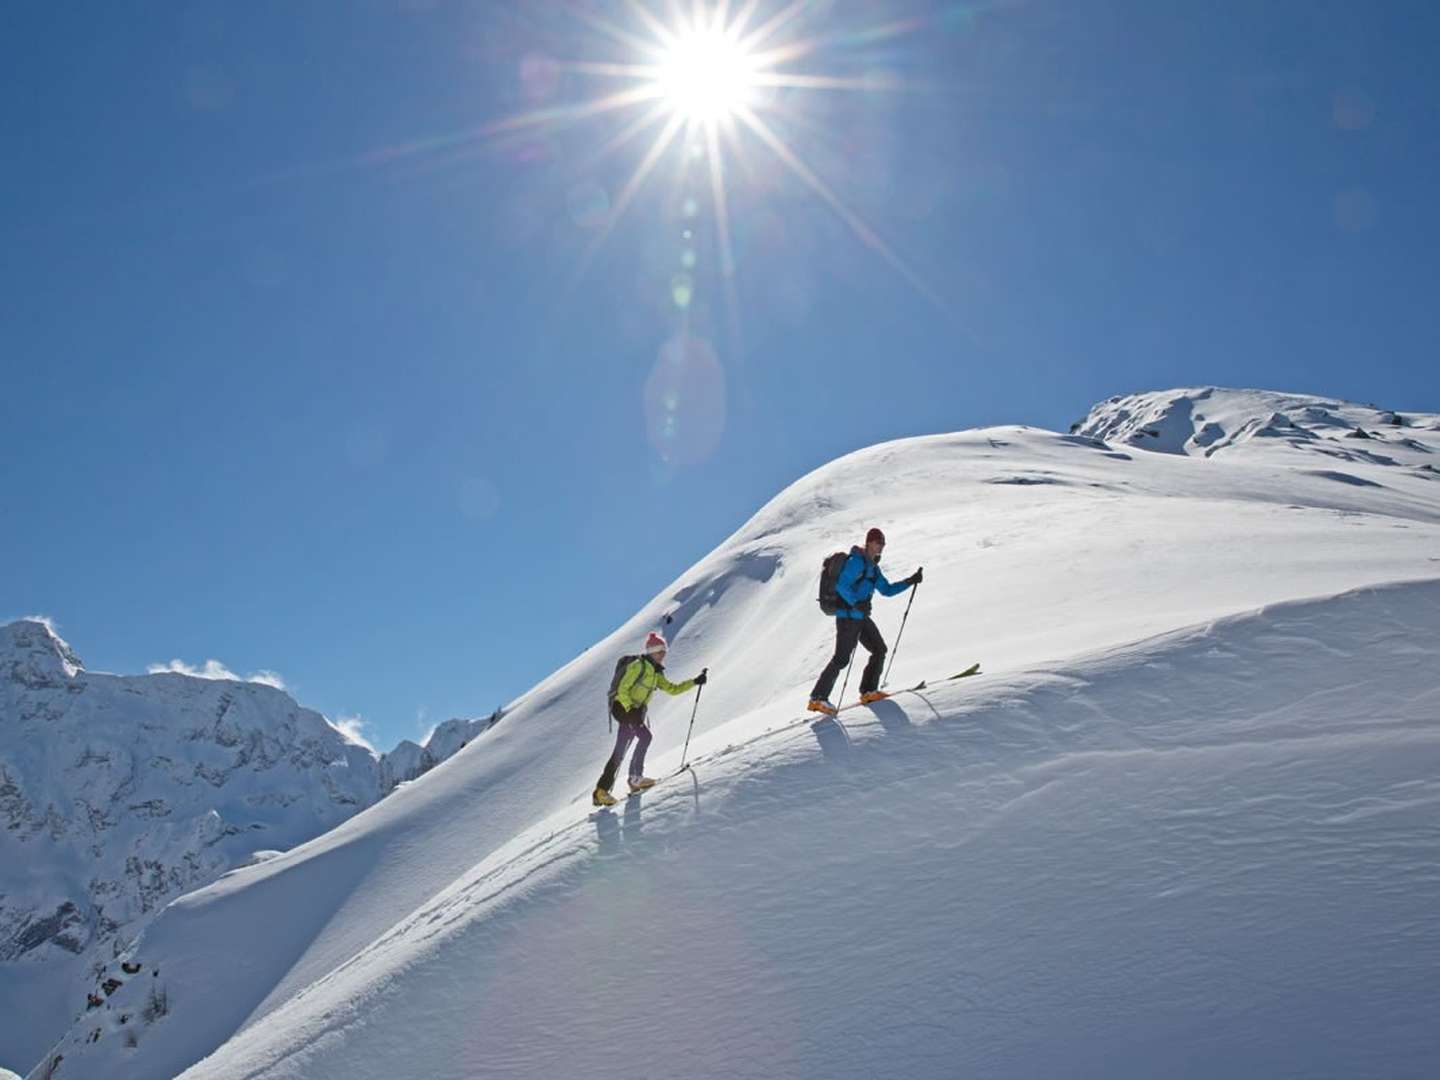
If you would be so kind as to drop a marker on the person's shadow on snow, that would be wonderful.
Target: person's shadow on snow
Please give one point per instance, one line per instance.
(607, 832)
(833, 739)
(630, 825)
(892, 718)
(616, 833)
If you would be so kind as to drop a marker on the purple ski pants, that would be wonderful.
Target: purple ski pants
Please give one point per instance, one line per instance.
(623, 734)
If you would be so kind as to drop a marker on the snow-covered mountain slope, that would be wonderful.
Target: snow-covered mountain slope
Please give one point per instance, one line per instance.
(119, 793)
(1208, 855)
(1115, 853)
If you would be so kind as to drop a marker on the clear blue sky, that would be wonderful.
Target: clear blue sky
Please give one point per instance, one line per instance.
(310, 362)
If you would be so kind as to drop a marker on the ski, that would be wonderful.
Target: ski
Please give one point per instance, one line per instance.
(889, 694)
(621, 797)
(973, 669)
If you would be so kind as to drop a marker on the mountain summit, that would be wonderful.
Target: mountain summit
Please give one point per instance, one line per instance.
(33, 655)
(1209, 421)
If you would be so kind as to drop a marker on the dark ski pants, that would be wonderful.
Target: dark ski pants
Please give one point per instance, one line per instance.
(847, 633)
(623, 734)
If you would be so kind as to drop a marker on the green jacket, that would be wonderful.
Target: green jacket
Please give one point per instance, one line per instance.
(641, 679)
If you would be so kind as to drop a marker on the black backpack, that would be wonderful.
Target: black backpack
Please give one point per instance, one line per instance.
(830, 601)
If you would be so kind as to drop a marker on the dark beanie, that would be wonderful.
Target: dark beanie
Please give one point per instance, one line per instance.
(874, 534)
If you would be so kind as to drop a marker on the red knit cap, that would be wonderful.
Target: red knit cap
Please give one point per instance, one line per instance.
(875, 534)
(655, 643)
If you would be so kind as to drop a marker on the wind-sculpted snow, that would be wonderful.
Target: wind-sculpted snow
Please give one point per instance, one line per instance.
(946, 879)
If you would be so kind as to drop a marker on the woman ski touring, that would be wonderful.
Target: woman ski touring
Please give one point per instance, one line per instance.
(636, 678)
(858, 580)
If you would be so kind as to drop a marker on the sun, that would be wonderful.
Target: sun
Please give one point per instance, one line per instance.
(706, 76)
(725, 90)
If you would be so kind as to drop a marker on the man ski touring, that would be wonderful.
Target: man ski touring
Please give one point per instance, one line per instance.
(859, 579)
(629, 701)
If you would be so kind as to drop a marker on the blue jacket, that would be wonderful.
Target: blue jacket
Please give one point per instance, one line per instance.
(859, 579)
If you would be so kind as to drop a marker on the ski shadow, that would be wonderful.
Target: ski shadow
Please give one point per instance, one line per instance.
(928, 704)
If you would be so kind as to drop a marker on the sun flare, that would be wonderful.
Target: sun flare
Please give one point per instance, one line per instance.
(725, 93)
(706, 77)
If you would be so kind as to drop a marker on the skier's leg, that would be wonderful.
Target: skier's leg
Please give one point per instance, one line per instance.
(623, 734)
(637, 759)
(846, 633)
(870, 637)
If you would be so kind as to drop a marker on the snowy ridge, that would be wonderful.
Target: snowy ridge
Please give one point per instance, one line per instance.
(926, 879)
(1207, 422)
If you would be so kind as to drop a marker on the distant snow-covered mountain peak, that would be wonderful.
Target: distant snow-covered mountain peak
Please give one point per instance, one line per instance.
(120, 793)
(33, 654)
(1207, 421)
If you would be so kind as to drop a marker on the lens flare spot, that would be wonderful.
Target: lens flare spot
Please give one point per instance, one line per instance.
(682, 290)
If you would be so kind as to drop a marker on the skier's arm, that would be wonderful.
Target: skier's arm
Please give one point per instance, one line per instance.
(662, 683)
(885, 588)
(627, 683)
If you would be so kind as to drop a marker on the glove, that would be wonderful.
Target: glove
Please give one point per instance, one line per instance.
(699, 680)
(917, 577)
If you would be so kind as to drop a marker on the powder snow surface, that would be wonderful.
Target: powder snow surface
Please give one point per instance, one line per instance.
(1184, 824)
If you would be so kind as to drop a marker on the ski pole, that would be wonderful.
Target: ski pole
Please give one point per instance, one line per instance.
(898, 636)
(846, 684)
(693, 711)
